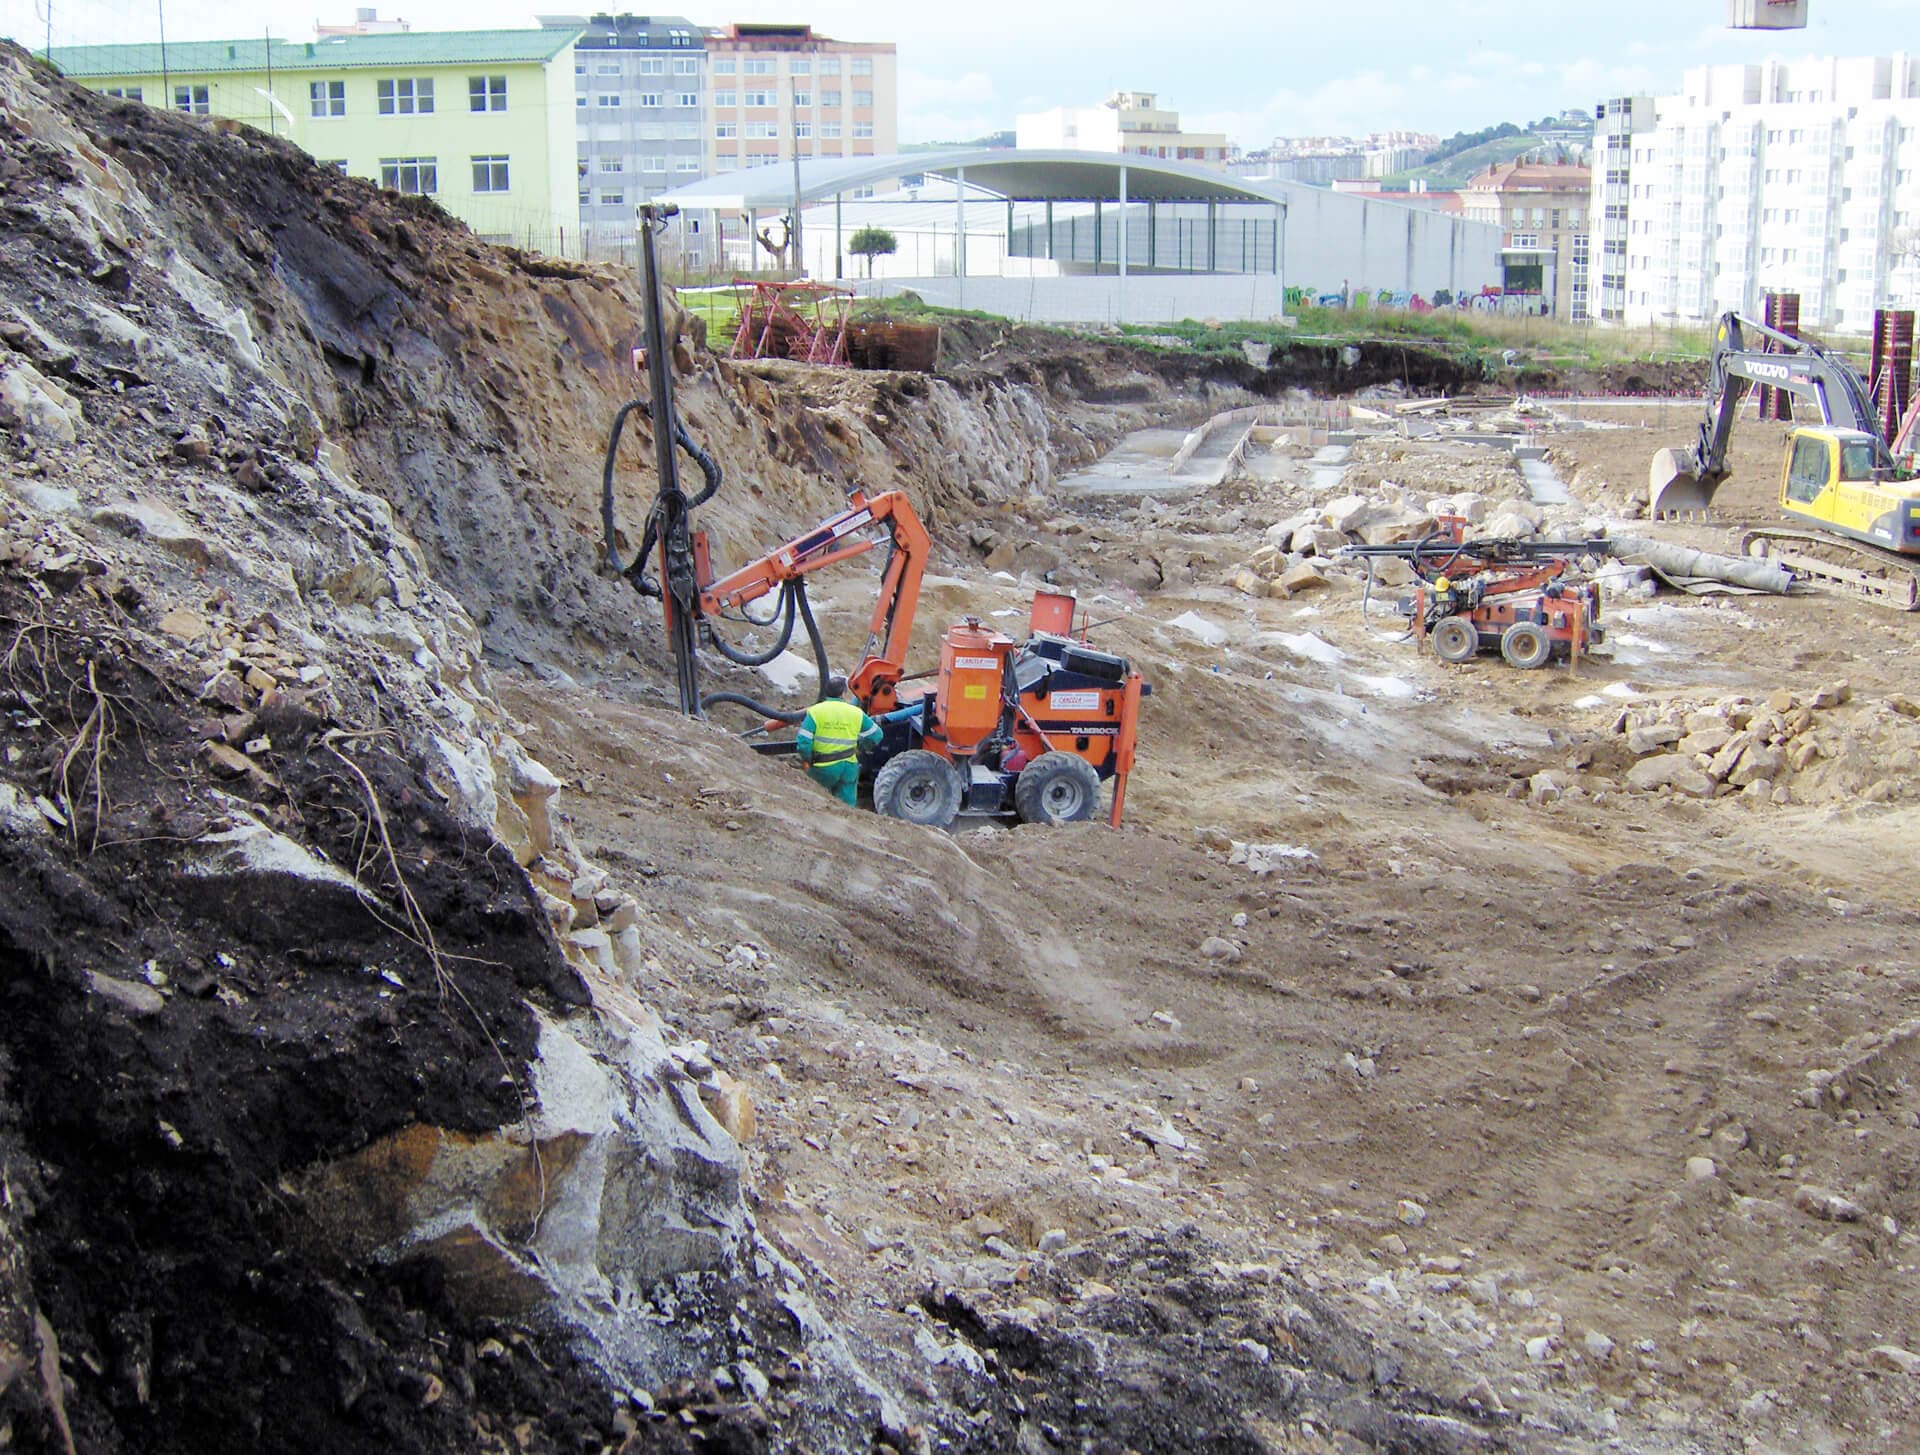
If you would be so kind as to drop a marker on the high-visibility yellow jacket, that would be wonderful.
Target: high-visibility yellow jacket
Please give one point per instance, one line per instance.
(834, 732)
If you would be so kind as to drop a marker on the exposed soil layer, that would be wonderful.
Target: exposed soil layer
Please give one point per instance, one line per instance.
(173, 1046)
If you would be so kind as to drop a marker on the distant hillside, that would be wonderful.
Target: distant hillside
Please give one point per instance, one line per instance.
(992, 139)
(1458, 159)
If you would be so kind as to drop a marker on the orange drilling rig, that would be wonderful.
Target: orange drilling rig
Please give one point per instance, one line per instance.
(1035, 727)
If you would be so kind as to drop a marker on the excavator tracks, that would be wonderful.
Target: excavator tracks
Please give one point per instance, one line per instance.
(1847, 568)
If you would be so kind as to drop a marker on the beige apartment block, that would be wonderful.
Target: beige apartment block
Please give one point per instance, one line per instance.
(1541, 209)
(782, 90)
(1127, 121)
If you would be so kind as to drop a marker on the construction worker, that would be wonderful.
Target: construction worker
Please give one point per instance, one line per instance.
(833, 733)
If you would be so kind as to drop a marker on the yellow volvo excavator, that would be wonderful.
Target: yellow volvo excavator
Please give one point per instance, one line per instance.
(1841, 476)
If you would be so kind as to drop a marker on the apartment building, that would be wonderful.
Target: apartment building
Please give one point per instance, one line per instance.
(641, 99)
(482, 121)
(1127, 121)
(1617, 122)
(782, 90)
(1800, 176)
(1541, 209)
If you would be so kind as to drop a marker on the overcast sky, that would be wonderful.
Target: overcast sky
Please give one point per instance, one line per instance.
(1285, 67)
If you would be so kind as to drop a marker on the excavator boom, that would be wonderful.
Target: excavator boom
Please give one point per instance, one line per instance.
(1745, 353)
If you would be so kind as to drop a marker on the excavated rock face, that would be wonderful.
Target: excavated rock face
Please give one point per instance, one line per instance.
(304, 1111)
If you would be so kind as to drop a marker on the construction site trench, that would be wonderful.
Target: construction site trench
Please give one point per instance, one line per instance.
(414, 1036)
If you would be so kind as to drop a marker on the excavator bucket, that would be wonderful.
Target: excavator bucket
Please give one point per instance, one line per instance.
(1674, 489)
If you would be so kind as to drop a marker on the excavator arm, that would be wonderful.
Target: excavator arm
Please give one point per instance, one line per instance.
(853, 532)
(1746, 353)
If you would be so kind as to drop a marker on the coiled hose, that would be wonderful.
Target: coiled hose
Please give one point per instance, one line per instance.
(635, 571)
(793, 595)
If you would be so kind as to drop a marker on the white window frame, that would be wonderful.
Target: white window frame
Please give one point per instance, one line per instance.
(685, 66)
(326, 100)
(614, 199)
(491, 175)
(415, 100)
(425, 175)
(491, 94)
(653, 164)
(607, 100)
(652, 66)
(193, 100)
(649, 99)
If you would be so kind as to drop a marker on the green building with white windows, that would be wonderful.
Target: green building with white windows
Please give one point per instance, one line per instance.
(482, 121)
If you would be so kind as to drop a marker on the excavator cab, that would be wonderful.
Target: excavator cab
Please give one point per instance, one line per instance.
(1844, 480)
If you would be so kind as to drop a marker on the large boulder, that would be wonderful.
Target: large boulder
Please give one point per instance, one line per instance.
(1669, 770)
(1316, 539)
(621, 1179)
(33, 404)
(1390, 525)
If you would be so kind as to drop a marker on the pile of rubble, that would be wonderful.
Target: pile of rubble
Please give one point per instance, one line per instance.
(1787, 748)
(1379, 462)
(1302, 551)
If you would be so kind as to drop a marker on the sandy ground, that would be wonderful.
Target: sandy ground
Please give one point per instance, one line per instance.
(1530, 1019)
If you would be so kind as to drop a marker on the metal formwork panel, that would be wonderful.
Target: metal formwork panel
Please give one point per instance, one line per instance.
(1890, 384)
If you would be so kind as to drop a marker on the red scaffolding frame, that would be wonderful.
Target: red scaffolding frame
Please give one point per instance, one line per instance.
(803, 321)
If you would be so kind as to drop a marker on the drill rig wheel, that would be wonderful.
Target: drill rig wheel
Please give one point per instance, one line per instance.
(1526, 645)
(918, 786)
(1454, 640)
(1056, 787)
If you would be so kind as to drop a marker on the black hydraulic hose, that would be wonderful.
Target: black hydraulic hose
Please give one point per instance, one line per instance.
(748, 659)
(813, 635)
(800, 605)
(776, 714)
(709, 467)
(635, 571)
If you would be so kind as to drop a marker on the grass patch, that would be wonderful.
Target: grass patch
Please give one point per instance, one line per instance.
(1482, 336)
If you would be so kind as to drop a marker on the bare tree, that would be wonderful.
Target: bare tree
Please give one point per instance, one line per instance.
(775, 237)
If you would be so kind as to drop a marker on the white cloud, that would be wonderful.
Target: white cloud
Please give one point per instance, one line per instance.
(972, 88)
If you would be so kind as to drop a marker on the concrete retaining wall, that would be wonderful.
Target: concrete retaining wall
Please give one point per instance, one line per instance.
(1154, 298)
